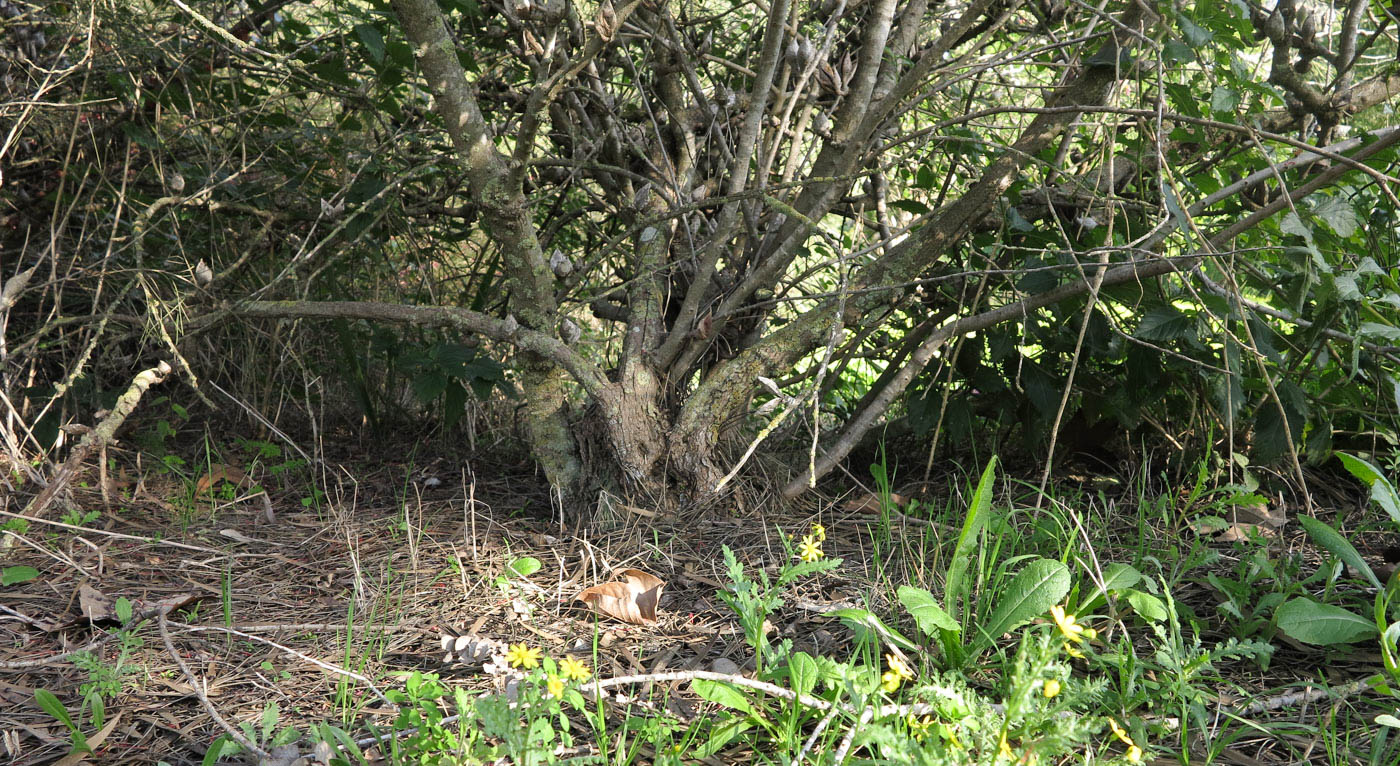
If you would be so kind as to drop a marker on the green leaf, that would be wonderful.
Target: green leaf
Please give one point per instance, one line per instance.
(955, 590)
(1324, 535)
(50, 704)
(724, 694)
(17, 574)
(1147, 606)
(1378, 330)
(1322, 624)
(373, 41)
(803, 672)
(1165, 323)
(1382, 492)
(221, 747)
(525, 566)
(910, 206)
(1339, 216)
(1224, 100)
(929, 616)
(865, 622)
(1036, 588)
(1116, 577)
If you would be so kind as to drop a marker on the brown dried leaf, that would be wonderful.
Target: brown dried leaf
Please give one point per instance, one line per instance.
(870, 503)
(218, 473)
(632, 600)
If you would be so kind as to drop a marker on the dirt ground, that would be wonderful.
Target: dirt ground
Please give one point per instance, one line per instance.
(313, 602)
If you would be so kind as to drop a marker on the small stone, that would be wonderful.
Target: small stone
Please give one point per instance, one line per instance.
(725, 665)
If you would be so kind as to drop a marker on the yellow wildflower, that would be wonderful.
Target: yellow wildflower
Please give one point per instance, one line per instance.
(810, 549)
(1052, 688)
(522, 656)
(1006, 749)
(898, 665)
(918, 727)
(1134, 753)
(574, 669)
(1071, 629)
(819, 533)
(890, 681)
(554, 685)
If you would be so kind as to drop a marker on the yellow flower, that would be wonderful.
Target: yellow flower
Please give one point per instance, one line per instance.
(819, 533)
(554, 685)
(1072, 630)
(1052, 688)
(1135, 754)
(918, 727)
(899, 666)
(574, 669)
(1006, 749)
(1119, 732)
(810, 549)
(522, 656)
(1071, 651)
(890, 681)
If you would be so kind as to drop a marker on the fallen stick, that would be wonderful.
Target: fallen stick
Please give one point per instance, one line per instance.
(99, 437)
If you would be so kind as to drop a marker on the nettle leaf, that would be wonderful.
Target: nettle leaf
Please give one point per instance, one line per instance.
(1224, 100)
(1034, 589)
(1346, 288)
(1378, 330)
(926, 611)
(1292, 224)
(1322, 624)
(1165, 323)
(373, 41)
(1339, 215)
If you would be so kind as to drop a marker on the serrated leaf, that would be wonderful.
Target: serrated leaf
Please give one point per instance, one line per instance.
(1332, 540)
(372, 40)
(925, 610)
(1339, 215)
(1165, 323)
(1034, 589)
(1378, 330)
(1322, 624)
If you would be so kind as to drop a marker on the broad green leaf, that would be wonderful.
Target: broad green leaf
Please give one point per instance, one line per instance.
(720, 736)
(1034, 589)
(1382, 491)
(17, 574)
(803, 672)
(372, 40)
(955, 590)
(1386, 719)
(1322, 624)
(1116, 576)
(1147, 606)
(1224, 100)
(724, 694)
(926, 611)
(221, 747)
(1324, 535)
(50, 704)
(1338, 214)
(525, 566)
(1378, 330)
(1165, 323)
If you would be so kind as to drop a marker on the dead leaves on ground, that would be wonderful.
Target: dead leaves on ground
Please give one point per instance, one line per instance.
(632, 599)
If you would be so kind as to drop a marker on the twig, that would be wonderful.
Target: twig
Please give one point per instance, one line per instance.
(195, 685)
(100, 436)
